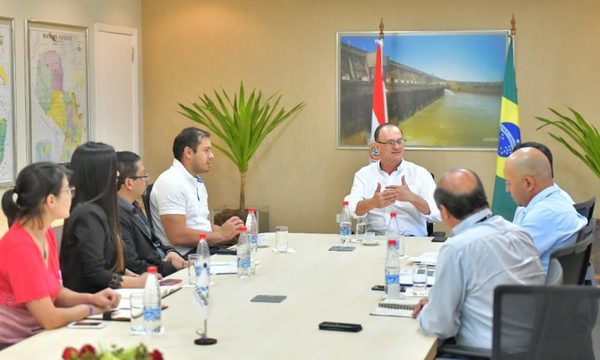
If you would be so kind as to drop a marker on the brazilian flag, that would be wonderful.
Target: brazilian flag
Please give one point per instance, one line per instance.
(508, 136)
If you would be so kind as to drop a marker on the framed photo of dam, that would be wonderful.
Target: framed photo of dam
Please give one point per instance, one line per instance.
(443, 89)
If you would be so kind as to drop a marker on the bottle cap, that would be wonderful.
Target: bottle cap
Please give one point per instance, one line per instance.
(392, 243)
(345, 203)
(393, 214)
(243, 228)
(202, 236)
(152, 269)
(251, 210)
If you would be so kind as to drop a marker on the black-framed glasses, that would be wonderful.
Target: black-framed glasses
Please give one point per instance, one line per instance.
(393, 142)
(146, 176)
(70, 190)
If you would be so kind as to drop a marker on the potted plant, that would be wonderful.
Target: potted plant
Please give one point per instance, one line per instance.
(242, 122)
(584, 142)
(584, 136)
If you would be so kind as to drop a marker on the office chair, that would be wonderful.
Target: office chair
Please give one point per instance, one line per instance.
(554, 277)
(146, 201)
(586, 208)
(575, 258)
(541, 323)
(438, 235)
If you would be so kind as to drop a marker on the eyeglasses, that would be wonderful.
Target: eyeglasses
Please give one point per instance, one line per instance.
(70, 190)
(146, 176)
(393, 142)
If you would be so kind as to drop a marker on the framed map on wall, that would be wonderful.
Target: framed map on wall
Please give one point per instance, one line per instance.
(7, 102)
(57, 75)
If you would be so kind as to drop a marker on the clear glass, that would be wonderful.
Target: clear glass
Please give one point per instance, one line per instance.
(193, 260)
(136, 312)
(281, 238)
(369, 238)
(361, 229)
(419, 278)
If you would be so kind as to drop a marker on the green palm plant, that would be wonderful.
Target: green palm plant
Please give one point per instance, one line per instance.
(584, 136)
(242, 123)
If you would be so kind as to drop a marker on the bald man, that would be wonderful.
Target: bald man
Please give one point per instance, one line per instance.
(545, 211)
(483, 252)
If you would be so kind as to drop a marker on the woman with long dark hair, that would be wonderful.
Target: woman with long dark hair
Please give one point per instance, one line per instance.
(32, 297)
(91, 255)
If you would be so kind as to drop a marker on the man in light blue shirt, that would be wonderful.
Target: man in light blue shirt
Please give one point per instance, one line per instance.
(483, 252)
(545, 211)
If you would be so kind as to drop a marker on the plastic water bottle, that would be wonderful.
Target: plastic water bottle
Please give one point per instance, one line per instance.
(392, 272)
(204, 253)
(345, 223)
(252, 226)
(152, 316)
(394, 233)
(244, 255)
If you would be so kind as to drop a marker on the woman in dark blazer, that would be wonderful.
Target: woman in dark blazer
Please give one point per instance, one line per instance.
(91, 256)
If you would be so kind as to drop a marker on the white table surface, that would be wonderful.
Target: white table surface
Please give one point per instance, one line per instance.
(320, 285)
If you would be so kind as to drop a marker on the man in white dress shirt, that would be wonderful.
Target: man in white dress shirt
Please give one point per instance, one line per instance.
(179, 200)
(393, 185)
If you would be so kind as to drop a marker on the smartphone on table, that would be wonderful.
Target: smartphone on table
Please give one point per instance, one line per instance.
(86, 324)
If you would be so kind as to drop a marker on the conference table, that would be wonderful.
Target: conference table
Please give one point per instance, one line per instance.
(319, 285)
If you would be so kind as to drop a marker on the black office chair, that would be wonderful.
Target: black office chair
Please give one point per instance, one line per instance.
(554, 276)
(575, 258)
(541, 323)
(146, 200)
(438, 235)
(586, 208)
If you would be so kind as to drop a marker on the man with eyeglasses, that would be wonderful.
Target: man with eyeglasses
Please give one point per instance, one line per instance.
(393, 184)
(142, 247)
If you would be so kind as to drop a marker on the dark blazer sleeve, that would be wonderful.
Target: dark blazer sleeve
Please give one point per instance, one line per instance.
(139, 250)
(90, 250)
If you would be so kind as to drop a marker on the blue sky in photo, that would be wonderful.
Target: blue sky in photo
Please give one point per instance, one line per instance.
(458, 57)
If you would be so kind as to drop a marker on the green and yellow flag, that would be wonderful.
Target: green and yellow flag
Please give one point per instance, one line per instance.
(508, 136)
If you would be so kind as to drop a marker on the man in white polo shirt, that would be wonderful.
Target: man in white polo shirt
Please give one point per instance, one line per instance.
(179, 200)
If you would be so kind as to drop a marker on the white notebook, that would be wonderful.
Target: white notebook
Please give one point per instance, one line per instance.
(396, 307)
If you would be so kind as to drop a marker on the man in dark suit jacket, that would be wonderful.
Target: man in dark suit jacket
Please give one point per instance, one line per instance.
(142, 247)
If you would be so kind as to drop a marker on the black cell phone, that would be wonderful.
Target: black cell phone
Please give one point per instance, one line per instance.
(226, 252)
(169, 282)
(338, 326)
(438, 236)
(382, 288)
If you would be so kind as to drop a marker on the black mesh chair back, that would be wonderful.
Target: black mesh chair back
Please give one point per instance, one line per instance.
(146, 200)
(575, 258)
(546, 322)
(586, 208)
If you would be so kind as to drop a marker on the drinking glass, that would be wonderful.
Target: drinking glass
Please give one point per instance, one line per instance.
(281, 239)
(361, 229)
(419, 278)
(136, 311)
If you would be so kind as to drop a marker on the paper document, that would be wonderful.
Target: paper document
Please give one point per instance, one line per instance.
(429, 258)
(223, 267)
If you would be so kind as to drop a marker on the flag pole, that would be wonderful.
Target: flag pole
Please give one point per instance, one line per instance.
(513, 33)
(381, 29)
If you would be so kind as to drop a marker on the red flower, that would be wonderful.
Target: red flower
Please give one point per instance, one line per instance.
(87, 348)
(156, 355)
(70, 353)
